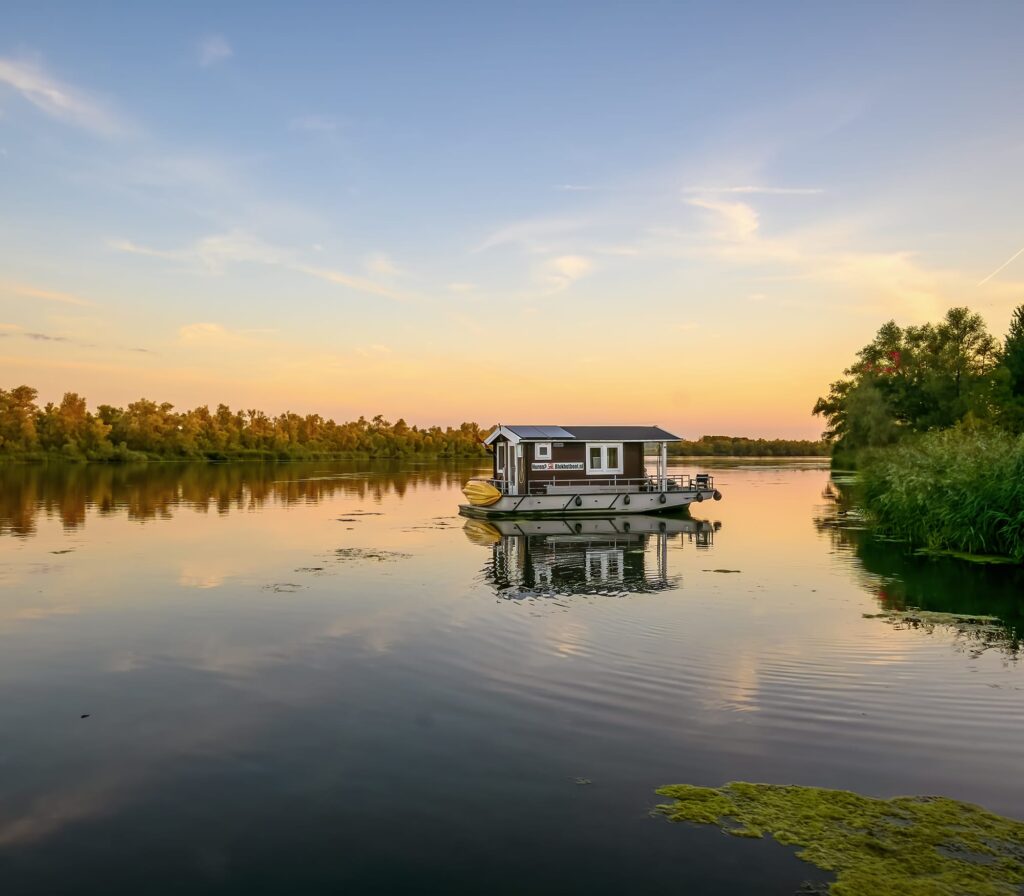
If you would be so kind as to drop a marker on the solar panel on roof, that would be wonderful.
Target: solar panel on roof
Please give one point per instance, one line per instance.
(622, 433)
(594, 433)
(540, 432)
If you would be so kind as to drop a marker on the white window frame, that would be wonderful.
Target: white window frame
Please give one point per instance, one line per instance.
(604, 469)
(500, 452)
(542, 451)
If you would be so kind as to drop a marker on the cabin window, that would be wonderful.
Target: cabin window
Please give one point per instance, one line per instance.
(604, 458)
(542, 451)
(499, 453)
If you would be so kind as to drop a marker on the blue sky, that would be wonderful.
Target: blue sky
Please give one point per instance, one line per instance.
(689, 214)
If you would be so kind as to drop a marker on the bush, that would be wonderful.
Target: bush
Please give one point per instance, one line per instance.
(960, 489)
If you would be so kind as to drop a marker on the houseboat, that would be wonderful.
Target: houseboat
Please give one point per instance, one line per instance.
(581, 471)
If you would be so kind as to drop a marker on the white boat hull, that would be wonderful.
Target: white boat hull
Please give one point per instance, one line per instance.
(560, 530)
(601, 504)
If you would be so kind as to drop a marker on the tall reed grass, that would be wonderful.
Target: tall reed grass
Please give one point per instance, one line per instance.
(958, 490)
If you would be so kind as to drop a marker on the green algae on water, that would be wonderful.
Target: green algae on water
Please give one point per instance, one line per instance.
(974, 630)
(980, 559)
(914, 616)
(911, 846)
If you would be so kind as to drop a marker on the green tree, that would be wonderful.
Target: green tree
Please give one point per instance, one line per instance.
(1013, 352)
(1011, 380)
(914, 379)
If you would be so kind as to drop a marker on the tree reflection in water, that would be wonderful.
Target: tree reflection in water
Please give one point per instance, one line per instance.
(902, 579)
(158, 490)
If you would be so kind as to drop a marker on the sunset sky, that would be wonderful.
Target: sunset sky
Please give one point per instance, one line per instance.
(682, 214)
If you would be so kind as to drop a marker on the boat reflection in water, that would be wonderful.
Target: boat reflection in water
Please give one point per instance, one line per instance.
(609, 556)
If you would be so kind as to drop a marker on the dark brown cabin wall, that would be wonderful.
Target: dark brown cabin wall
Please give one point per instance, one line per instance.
(570, 452)
(632, 463)
(633, 460)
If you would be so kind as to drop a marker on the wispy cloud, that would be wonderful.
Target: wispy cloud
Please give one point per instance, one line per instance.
(238, 246)
(59, 100)
(534, 234)
(131, 248)
(737, 219)
(895, 279)
(322, 124)
(764, 190)
(214, 335)
(382, 265)
(47, 295)
(213, 253)
(8, 331)
(1006, 263)
(211, 49)
(44, 337)
(575, 188)
(563, 271)
(351, 281)
(375, 350)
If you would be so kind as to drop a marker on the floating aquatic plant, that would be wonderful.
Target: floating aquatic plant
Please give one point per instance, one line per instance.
(911, 846)
(380, 556)
(977, 631)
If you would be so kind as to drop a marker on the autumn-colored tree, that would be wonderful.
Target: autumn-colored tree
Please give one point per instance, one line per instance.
(18, 416)
(914, 379)
(149, 428)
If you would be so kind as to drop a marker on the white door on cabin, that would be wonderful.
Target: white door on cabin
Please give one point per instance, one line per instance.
(515, 456)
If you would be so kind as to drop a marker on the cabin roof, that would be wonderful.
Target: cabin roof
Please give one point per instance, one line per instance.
(534, 433)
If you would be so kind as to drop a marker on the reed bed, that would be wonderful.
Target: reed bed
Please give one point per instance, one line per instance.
(957, 490)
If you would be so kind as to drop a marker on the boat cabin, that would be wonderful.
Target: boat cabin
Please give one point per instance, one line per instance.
(554, 460)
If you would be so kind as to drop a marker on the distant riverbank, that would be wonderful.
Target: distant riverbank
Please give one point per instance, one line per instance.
(146, 430)
(121, 455)
(739, 446)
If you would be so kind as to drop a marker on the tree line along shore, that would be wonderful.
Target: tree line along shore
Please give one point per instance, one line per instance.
(932, 419)
(147, 430)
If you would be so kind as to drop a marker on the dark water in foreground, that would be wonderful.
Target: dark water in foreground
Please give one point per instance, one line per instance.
(313, 678)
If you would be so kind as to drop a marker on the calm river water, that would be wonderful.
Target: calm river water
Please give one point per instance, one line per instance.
(317, 678)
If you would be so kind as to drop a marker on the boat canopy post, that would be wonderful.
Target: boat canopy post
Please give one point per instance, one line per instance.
(663, 467)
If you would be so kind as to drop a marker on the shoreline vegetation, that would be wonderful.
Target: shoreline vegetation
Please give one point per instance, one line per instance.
(146, 431)
(956, 491)
(931, 418)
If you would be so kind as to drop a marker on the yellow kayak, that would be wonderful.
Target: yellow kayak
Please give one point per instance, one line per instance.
(480, 493)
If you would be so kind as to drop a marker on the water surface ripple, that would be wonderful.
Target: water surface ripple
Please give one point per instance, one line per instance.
(308, 677)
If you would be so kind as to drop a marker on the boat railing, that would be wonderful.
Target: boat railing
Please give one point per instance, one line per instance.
(700, 482)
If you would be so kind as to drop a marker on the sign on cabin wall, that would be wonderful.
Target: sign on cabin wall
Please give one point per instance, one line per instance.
(563, 465)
